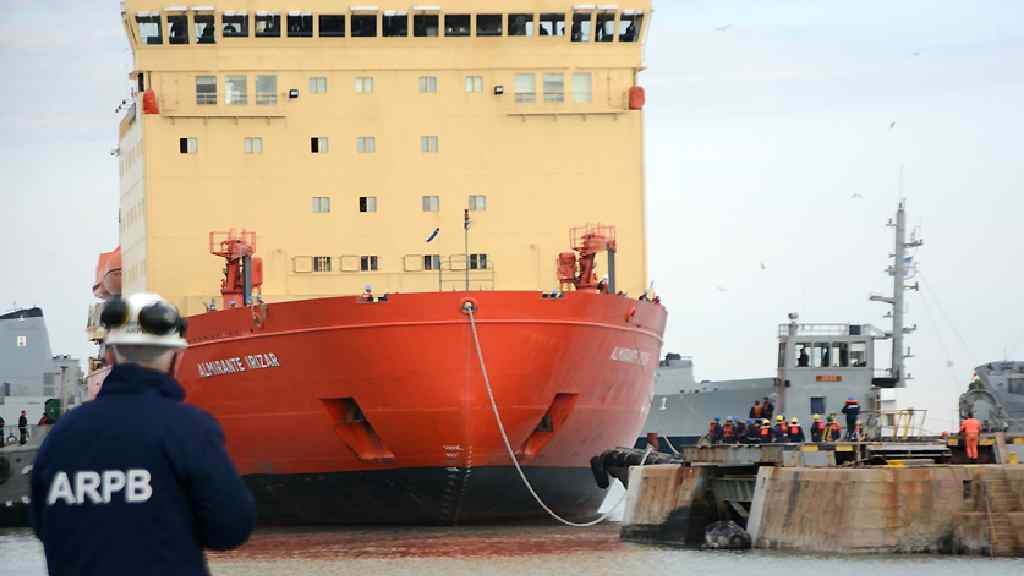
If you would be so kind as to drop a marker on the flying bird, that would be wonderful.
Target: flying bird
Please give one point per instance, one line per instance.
(892, 125)
(856, 195)
(723, 28)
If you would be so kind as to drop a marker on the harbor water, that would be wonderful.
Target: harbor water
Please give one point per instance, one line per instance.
(508, 550)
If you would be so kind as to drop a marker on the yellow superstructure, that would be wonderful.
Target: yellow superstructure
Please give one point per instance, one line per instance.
(345, 144)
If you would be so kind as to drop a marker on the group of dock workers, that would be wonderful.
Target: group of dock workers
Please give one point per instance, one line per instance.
(763, 426)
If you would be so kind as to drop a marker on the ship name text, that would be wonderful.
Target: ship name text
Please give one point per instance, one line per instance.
(237, 364)
(631, 356)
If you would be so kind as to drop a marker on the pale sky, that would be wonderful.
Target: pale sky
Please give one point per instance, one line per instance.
(758, 137)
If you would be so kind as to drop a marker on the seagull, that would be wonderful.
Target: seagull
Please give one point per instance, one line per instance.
(892, 125)
(723, 28)
(856, 195)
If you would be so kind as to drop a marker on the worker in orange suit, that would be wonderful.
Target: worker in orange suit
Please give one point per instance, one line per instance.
(970, 431)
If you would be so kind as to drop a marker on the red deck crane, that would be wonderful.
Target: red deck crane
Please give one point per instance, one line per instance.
(243, 272)
(577, 268)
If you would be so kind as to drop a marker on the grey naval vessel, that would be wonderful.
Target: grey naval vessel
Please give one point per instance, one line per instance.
(34, 381)
(996, 397)
(819, 366)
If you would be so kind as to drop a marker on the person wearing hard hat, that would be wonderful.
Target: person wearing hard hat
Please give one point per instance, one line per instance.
(781, 429)
(766, 434)
(852, 410)
(796, 433)
(135, 481)
(970, 431)
(817, 429)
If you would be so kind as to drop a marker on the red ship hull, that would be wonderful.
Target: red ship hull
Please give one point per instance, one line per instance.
(337, 410)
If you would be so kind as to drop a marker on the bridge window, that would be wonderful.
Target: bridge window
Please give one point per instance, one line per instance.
(629, 26)
(802, 354)
(367, 263)
(582, 87)
(1015, 385)
(149, 27)
(206, 89)
(488, 24)
(177, 28)
(321, 263)
(858, 354)
(300, 24)
(268, 25)
(840, 355)
(478, 261)
(234, 90)
(204, 28)
(526, 88)
(520, 25)
(605, 26)
(425, 25)
(819, 355)
(456, 25)
(554, 87)
(235, 24)
(266, 90)
(364, 25)
(582, 26)
(396, 25)
(332, 26)
(552, 24)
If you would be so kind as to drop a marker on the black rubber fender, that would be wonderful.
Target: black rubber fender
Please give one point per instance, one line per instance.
(599, 471)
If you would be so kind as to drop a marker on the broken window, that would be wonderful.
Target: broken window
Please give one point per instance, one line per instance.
(526, 88)
(318, 145)
(605, 26)
(396, 25)
(300, 24)
(456, 25)
(425, 25)
(177, 28)
(254, 145)
(188, 145)
(554, 87)
(367, 263)
(149, 27)
(268, 25)
(428, 144)
(206, 89)
(364, 84)
(234, 90)
(366, 144)
(478, 203)
(318, 84)
(266, 89)
(204, 28)
(858, 354)
(840, 354)
(431, 261)
(582, 23)
(552, 24)
(428, 84)
(364, 25)
(431, 204)
(235, 24)
(321, 263)
(629, 26)
(474, 84)
(367, 204)
(321, 204)
(520, 24)
(582, 87)
(488, 24)
(802, 354)
(332, 26)
(478, 261)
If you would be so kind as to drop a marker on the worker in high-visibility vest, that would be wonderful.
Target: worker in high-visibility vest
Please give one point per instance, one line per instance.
(817, 429)
(970, 431)
(796, 433)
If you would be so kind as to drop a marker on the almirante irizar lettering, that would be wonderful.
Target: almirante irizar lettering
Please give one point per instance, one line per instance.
(237, 364)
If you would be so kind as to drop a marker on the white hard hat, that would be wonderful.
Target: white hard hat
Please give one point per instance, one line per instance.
(143, 319)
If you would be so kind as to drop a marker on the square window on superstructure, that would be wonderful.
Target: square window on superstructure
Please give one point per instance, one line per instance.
(428, 84)
(149, 28)
(488, 24)
(22, 341)
(428, 144)
(235, 24)
(582, 23)
(478, 203)
(526, 88)
(321, 204)
(629, 27)
(478, 261)
(318, 145)
(367, 263)
(364, 25)
(431, 204)
(366, 144)
(254, 145)
(177, 29)
(431, 261)
(332, 26)
(322, 263)
(318, 84)
(554, 87)
(605, 26)
(582, 83)
(204, 28)
(520, 25)
(858, 354)
(234, 90)
(188, 145)
(268, 25)
(474, 84)
(266, 90)
(206, 90)
(552, 24)
(395, 25)
(300, 24)
(367, 204)
(364, 84)
(456, 25)
(425, 25)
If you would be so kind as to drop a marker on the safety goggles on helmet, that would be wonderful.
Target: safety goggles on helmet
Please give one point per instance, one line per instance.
(143, 320)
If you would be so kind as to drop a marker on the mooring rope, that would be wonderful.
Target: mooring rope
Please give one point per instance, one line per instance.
(469, 308)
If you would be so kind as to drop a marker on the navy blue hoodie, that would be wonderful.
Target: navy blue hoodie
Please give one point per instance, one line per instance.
(137, 482)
